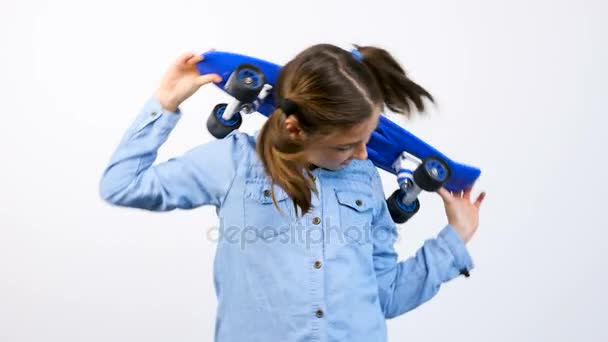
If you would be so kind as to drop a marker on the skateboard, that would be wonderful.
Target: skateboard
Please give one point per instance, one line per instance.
(417, 165)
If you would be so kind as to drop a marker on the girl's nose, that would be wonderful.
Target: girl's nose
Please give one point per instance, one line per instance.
(360, 152)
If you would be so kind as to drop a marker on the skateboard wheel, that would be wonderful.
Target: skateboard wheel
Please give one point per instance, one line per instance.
(431, 174)
(400, 212)
(245, 83)
(218, 126)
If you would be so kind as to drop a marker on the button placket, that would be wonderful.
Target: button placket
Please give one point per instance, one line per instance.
(315, 223)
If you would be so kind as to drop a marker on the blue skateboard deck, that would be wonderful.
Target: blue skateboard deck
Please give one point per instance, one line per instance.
(387, 142)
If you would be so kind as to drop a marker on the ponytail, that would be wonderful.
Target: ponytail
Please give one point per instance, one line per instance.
(398, 91)
(282, 160)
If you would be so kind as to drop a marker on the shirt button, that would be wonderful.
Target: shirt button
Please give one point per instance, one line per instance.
(153, 114)
(359, 203)
(319, 313)
(267, 193)
(317, 264)
(316, 220)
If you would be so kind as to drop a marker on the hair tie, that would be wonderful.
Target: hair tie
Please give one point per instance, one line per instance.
(289, 107)
(357, 54)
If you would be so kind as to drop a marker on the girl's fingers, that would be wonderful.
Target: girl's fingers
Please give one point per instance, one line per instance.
(183, 58)
(444, 193)
(467, 193)
(479, 200)
(194, 59)
(204, 79)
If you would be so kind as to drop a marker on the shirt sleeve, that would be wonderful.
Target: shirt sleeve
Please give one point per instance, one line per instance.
(404, 285)
(201, 176)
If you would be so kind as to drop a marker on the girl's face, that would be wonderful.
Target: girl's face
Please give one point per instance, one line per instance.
(336, 150)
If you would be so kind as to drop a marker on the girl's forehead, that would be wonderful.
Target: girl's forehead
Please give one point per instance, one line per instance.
(354, 134)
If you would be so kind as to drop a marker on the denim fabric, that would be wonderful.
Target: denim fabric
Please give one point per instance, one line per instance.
(330, 275)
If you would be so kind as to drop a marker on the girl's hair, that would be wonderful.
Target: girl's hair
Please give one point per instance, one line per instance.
(333, 89)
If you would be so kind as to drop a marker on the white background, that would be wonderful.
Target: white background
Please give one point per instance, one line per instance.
(520, 88)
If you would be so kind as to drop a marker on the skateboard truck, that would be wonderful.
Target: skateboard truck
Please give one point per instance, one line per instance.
(235, 106)
(415, 175)
(248, 87)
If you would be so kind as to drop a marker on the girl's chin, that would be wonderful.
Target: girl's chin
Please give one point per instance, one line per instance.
(341, 166)
(336, 167)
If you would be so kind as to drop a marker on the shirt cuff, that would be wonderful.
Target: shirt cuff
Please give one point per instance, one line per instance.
(462, 259)
(153, 111)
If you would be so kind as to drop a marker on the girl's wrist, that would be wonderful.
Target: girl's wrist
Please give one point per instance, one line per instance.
(165, 102)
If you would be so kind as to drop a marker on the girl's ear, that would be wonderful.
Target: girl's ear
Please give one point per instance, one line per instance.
(293, 129)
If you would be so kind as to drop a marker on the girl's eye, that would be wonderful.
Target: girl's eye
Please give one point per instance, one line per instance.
(343, 149)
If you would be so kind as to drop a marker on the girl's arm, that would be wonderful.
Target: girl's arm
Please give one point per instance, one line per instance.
(201, 176)
(404, 285)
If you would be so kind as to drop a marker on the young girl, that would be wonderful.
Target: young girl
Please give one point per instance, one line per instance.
(305, 251)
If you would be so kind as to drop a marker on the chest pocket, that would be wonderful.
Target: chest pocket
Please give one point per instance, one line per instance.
(261, 216)
(355, 215)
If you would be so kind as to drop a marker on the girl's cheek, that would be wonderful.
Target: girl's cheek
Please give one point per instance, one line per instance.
(335, 157)
(339, 157)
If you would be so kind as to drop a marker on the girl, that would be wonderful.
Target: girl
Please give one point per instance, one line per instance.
(305, 250)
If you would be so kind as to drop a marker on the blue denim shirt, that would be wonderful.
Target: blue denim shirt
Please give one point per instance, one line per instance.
(331, 275)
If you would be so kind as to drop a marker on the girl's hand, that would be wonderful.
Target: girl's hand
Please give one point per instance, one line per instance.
(462, 214)
(181, 80)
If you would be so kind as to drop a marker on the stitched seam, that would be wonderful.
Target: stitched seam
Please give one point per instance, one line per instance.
(236, 172)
